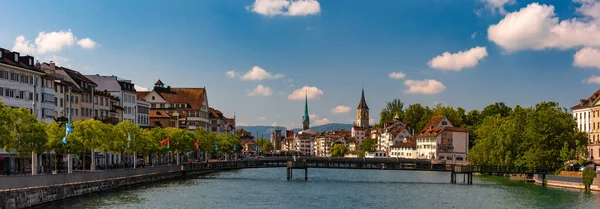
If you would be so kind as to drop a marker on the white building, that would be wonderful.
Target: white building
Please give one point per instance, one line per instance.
(19, 81)
(587, 117)
(143, 117)
(304, 142)
(122, 89)
(440, 140)
(393, 133)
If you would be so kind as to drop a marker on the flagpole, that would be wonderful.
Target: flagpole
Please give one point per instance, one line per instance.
(69, 163)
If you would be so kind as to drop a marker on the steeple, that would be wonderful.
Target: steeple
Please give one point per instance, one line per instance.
(363, 103)
(305, 118)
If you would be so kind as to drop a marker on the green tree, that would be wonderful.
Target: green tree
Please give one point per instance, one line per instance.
(89, 133)
(6, 124)
(367, 145)
(413, 115)
(206, 141)
(392, 108)
(338, 150)
(55, 133)
(26, 134)
(180, 141)
(265, 145)
(498, 108)
(455, 116)
(127, 135)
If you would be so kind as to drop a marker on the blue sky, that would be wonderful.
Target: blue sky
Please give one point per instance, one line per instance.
(515, 51)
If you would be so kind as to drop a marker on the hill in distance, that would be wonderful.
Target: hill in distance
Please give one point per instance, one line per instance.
(265, 131)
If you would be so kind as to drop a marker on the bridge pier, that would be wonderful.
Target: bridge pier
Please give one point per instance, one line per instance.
(297, 165)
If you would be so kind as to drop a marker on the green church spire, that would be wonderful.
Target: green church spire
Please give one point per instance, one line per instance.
(305, 118)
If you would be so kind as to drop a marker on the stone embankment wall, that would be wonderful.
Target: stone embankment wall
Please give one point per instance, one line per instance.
(568, 182)
(32, 196)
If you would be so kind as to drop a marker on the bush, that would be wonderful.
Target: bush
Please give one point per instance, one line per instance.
(588, 177)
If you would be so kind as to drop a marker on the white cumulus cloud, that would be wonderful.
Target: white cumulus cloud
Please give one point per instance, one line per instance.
(86, 43)
(257, 74)
(262, 118)
(427, 86)
(139, 88)
(230, 74)
(497, 5)
(49, 42)
(285, 7)
(340, 109)
(322, 121)
(397, 75)
(311, 92)
(260, 90)
(274, 124)
(459, 60)
(587, 57)
(593, 79)
(371, 121)
(537, 27)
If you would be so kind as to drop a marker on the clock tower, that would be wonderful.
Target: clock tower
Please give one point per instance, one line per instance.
(362, 112)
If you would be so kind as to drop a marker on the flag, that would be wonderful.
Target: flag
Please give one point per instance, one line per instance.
(69, 129)
(64, 140)
(128, 140)
(216, 146)
(196, 144)
(234, 147)
(165, 143)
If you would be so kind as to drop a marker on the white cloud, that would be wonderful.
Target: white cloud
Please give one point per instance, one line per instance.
(397, 75)
(274, 124)
(139, 88)
(537, 27)
(459, 60)
(243, 124)
(589, 8)
(322, 121)
(473, 35)
(497, 5)
(50, 42)
(262, 118)
(310, 91)
(257, 74)
(23, 46)
(371, 121)
(587, 57)
(593, 79)
(86, 43)
(58, 60)
(313, 116)
(427, 86)
(285, 7)
(340, 109)
(230, 74)
(260, 90)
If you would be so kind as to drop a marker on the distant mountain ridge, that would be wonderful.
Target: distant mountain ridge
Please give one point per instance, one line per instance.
(265, 131)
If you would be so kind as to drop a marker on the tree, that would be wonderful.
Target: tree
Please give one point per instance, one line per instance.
(338, 150)
(6, 124)
(413, 115)
(26, 135)
(498, 108)
(265, 145)
(127, 135)
(180, 141)
(367, 145)
(206, 141)
(472, 121)
(55, 133)
(89, 133)
(391, 109)
(541, 136)
(455, 116)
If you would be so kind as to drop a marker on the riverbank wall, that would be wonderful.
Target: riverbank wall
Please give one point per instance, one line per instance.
(567, 182)
(78, 184)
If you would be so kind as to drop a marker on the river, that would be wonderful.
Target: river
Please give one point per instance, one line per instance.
(335, 188)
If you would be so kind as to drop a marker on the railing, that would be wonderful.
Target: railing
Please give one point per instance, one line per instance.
(20, 182)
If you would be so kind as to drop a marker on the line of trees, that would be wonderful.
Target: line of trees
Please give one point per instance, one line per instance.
(544, 135)
(23, 134)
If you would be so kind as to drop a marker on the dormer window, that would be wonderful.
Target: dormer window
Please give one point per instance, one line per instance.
(16, 57)
(1, 52)
(30, 61)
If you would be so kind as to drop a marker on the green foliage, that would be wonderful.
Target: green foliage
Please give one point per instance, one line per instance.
(206, 140)
(25, 133)
(540, 136)
(498, 108)
(367, 145)
(455, 116)
(265, 145)
(413, 114)
(180, 140)
(391, 109)
(588, 178)
(338, 150)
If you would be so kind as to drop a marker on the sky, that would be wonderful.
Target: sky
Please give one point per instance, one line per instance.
(257, 58)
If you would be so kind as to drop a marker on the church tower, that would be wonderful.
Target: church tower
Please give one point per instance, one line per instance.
(305, 118)
(362, 112)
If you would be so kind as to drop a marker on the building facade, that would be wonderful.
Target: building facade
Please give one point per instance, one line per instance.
(304, 142)
(587, 116)
(20, 81)
(440, 140)
(276, 139)
(187, 106)
(406, 149)
(143, 113)
(122, 89)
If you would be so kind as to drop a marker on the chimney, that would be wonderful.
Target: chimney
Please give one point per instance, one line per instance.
(52, 65)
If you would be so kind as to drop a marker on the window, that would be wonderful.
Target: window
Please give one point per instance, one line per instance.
(76, 100)
(61, 102)
(76, 112)
(95, 99)
(95, 113)
(101, 101)
(444, 123)
(162, 105)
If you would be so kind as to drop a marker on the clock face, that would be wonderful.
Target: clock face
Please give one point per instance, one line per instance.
(365, 114)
